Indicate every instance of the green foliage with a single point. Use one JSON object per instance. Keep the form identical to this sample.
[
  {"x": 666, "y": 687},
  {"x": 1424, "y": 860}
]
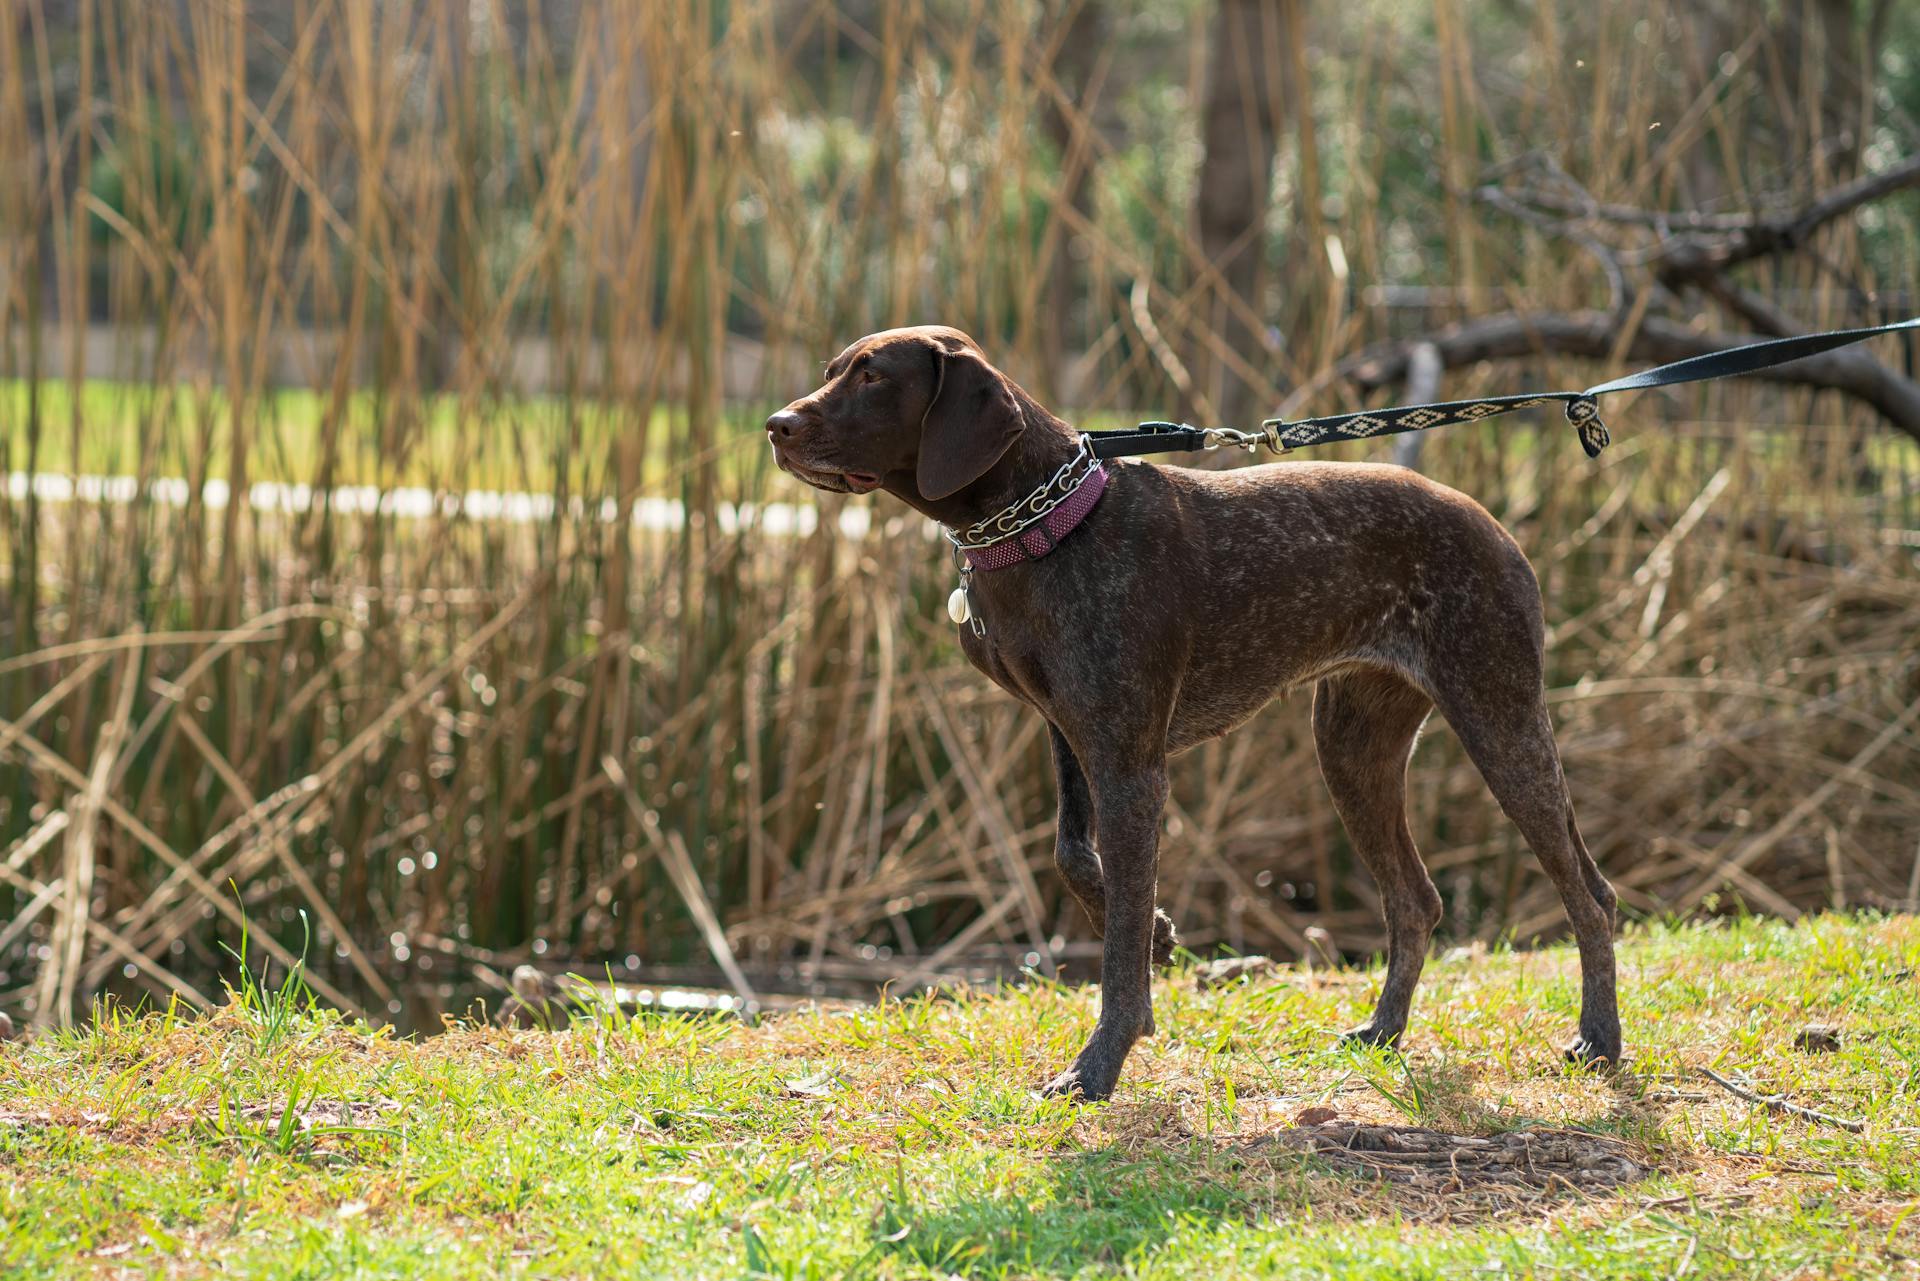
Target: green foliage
[
  {"x": 274, "y": 1008},
  {"x": 151, "y": 182}
]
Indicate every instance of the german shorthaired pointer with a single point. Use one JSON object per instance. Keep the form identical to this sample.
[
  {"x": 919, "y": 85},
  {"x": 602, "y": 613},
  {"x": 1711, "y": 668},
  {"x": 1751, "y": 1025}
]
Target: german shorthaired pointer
[{"x": 1143, "y": 609}]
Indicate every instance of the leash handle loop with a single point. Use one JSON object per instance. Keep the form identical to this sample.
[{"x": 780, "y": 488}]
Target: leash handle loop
[{"x": 1583, "y": 411}]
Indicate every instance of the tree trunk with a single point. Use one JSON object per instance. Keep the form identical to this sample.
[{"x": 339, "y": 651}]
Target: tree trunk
[
  {"x": 1240, "y": 125},
  {"x": 1824, "y": 70},
  {"x": 1073, "y": 67}
]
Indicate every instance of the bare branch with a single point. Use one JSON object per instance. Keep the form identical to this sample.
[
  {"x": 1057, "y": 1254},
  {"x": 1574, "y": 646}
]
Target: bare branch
[
  {"x": 1593, "y": 334},
  {"x": 1750, "y": 235}
]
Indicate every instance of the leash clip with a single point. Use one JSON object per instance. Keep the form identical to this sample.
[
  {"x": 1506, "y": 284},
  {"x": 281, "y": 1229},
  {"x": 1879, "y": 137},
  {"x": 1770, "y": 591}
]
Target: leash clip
[
  {"x": 1251, "y": 441},
  {"x": 1270, "y": 436}
]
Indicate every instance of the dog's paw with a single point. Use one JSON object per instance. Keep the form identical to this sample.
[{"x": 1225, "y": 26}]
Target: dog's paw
[
  {"x": 1065, "y": 1086},
  {"x": 1601, "y": 1053},
  {"x": 1372, "y": 1033},
  {"x": 1164, "y": 939},
  {"x": 1077, "y": 1088}
]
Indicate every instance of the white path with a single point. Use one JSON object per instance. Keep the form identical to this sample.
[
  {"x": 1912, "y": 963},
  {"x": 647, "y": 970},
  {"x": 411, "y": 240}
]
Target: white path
[{"x": 412, "y": 503}]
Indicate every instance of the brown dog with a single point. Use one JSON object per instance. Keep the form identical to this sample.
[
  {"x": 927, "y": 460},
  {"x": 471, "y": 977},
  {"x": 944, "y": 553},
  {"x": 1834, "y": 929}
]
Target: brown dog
[{"x": 1176, "y": 605}]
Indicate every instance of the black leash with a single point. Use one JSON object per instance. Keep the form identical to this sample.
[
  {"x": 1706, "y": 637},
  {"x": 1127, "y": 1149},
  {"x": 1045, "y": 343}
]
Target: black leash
[{"x": 1582, "y": 410}]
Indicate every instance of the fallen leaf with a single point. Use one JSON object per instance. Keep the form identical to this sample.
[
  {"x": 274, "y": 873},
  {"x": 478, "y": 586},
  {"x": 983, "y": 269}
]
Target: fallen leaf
[
  {"x": 814, "y": 1087},
  {"x": 1231, "y": 969}
]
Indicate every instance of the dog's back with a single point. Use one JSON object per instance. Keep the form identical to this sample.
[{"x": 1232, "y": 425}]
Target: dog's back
[{"x": 1270, "y": 577}]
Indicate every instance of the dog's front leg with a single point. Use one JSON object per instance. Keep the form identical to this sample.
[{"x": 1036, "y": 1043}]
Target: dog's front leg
[{"x": 1128, "y": 803}]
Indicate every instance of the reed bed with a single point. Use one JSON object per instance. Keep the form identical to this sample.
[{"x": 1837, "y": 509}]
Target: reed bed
[{"x": 580, "y": 250}]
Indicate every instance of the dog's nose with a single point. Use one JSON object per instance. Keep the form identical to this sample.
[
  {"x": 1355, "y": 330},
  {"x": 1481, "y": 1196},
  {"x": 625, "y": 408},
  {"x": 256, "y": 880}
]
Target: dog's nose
[{"x": 785, "y": 425}]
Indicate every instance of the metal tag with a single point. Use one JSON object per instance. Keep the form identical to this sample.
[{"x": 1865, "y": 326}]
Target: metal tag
[{"x": 958, "y": 608}]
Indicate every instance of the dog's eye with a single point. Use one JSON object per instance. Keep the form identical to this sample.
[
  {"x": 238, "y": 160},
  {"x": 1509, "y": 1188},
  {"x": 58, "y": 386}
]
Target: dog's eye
[{"x": 870, "y": 375}]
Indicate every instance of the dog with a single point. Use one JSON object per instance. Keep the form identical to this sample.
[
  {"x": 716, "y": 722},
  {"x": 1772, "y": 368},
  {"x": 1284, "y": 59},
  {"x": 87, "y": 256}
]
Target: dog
[{"x": 1173, "y": 604}]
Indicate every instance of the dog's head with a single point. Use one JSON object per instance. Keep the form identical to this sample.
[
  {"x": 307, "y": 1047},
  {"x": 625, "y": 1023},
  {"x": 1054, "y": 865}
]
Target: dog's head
[{"x": 919, "y": 411}]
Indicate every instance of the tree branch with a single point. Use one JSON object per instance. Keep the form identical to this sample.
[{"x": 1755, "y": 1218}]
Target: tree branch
[
  {"x": 1767, "y": 236},
  {"x": 1744, "y": 236},
  {"x": 1593, "y": 334}
]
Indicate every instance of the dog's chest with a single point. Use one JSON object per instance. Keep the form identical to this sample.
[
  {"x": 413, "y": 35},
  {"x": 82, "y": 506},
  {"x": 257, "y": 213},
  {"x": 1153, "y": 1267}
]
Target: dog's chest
[{"x": 1003, "y": 665}]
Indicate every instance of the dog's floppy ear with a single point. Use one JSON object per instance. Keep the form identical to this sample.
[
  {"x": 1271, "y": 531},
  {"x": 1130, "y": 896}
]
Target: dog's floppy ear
[{"x": 971, "y": 421}]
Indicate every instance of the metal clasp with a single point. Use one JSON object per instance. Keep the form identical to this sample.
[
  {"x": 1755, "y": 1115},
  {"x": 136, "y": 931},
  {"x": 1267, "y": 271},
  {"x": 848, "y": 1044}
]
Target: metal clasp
[
  {"x": 960, "y": 601},
  {"x": 1270, "y": 436},
  {"x": 1251, "y": 441}
]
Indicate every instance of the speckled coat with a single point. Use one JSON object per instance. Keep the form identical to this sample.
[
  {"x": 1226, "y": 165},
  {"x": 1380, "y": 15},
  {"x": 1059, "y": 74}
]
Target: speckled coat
[{"x": 1182, "y": 604}]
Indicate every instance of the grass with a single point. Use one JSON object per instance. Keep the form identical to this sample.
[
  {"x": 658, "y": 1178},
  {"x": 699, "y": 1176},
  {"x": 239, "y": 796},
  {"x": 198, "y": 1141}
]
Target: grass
[
  {"x": 519, "y": 444},
  {"x": 905, "y": 1139},
  {"x": 525, "y": 443}
]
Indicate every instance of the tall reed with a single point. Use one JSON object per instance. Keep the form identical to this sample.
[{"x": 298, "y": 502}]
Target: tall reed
[{"x": 578, "y": 251}]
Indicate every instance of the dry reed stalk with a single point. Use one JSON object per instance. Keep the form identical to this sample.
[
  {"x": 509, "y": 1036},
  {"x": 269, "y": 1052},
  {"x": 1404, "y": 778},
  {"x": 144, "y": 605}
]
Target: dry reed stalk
[
  {"x": 492, "y": 253},
  {"x": 57, "y": 980}
]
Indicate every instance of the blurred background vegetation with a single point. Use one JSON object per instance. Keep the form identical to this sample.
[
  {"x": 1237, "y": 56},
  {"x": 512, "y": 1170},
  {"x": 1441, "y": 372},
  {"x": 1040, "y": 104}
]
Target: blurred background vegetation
[{"x": 387, "y": 536}]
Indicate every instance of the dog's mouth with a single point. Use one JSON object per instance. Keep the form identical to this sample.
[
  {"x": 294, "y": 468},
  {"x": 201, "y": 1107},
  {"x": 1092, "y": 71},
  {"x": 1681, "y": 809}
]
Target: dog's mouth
[{"x": 834, "y": 482}]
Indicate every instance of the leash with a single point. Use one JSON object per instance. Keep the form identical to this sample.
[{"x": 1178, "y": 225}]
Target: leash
[
  {"x": 1032, "y": 527},
  {"x": 1582, "y": 407}
]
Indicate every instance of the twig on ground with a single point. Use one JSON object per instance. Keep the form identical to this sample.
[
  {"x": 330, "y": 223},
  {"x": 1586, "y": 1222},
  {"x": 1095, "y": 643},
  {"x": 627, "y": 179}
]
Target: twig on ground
[{"x": 1775, "y": 1103}]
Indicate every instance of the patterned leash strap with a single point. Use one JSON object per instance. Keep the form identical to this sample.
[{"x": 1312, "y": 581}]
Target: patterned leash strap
[{"x": 1582, "y": 407}]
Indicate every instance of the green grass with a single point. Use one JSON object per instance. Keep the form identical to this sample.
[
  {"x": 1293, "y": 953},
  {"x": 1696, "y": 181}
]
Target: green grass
[
  {"x": 524, "y": 443},
  {"x": 519, "y": 444},
  {"x": 905, "y": 1140},
  {"x": 528, "y": 443}
]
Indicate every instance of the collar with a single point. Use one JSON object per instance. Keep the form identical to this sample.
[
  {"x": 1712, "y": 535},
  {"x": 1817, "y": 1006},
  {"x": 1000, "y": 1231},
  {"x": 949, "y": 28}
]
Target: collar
[{"x": 1029, "y": 529}]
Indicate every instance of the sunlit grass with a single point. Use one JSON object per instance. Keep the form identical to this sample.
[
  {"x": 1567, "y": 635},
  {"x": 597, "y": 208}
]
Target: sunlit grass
[
  {"x": 398, "y": 723},
  {"x": 524, "y": 444},
  {"x": 131, "y": 429},
  {"x": 905, "y": 1139},
  {"x": 528, "y": 442}
]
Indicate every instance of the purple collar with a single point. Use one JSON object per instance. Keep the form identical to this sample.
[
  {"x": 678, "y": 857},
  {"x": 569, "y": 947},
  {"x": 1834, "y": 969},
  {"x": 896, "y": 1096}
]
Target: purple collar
[{"x": 1038, "y": 523}]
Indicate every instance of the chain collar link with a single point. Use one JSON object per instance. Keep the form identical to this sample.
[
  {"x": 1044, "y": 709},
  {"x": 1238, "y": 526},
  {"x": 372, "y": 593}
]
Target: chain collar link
[{"x": 1016, "y": 518}]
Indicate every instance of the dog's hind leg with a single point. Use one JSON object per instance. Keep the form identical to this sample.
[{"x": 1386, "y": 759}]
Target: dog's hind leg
[
  {"x": 1364, "y": 724},
  {"x": 1073, "y": 849},
  {"x": 1073, "y": 833},
  {"x": 1499, "y": 712}
]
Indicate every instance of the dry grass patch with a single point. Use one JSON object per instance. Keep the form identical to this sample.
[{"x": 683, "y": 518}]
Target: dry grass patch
[{"x": 906, "y": 1139}]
